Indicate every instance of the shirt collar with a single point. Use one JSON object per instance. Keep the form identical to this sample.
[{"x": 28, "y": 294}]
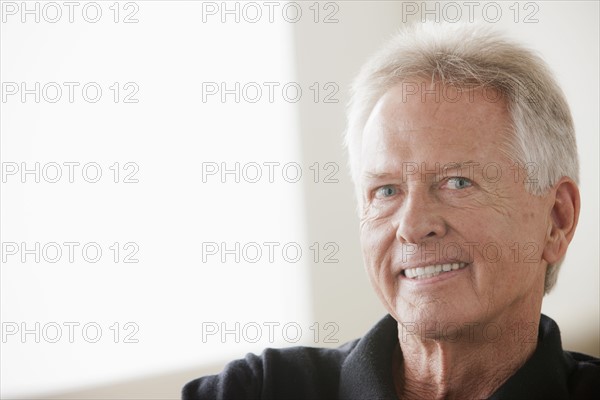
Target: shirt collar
[
  {"x": 544, "y": 374},
  {"x": 367, "y": 371}
]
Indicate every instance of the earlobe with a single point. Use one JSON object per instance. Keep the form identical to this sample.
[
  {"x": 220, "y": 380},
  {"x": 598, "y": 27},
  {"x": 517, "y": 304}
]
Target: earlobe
[{"x": 564, "y": 215}]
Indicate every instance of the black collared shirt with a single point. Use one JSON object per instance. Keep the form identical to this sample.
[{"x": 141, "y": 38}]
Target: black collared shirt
[{"x": 362, "y": 370}]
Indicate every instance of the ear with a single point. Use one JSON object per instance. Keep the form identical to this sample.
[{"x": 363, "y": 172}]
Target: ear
[{"x": 564, "y": 215}]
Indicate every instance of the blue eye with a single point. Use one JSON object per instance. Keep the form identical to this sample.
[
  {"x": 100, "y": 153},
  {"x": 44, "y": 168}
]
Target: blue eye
[
  {"x": 385, "y": 191},
  {"x": 458, "y": 182}
]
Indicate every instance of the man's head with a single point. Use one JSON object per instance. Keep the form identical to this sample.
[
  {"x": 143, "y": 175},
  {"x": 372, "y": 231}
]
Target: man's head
[{"x": 507, "y": 100}]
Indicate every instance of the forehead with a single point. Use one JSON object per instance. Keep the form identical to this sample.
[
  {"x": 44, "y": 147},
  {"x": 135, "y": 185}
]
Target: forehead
[{"x": 419, "y": 117}]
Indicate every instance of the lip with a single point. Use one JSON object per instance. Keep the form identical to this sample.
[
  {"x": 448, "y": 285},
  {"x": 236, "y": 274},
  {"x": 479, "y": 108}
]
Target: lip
[
  {"x": 434, "y": 279},
  {"x": 436, "y": 262}
]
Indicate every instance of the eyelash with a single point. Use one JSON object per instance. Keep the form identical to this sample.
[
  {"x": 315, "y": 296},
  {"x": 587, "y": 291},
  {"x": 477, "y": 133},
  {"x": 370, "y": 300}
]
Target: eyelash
[
  {"x": 379, "y": 189},
  {"x": 470, "y": 183},
  {"x": 379, "y": 195}
]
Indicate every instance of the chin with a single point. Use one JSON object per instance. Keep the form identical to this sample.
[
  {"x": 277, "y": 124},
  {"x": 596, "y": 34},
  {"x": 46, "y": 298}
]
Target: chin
[{"x": 433, "y": 321}]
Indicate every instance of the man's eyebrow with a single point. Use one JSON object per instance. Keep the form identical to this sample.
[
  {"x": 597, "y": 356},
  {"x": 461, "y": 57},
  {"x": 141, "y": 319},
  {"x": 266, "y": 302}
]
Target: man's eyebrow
[
  {"x": 422, "y": 167},
  {"x": 458, "y": 165},
  {"x": 376, "y": 175}
]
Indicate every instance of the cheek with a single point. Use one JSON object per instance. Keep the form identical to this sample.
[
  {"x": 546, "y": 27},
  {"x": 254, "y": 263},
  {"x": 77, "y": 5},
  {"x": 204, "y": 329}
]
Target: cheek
[
  {"x": 377, "y": 241},
  {"x": 509, "y": 259},
  {"x": 376, "y": 237},
  {"x": 520, "y": 240}
]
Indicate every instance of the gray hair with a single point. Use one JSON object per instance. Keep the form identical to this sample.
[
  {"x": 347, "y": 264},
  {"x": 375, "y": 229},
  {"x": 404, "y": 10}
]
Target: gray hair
[{"x": 469, "y": 56}]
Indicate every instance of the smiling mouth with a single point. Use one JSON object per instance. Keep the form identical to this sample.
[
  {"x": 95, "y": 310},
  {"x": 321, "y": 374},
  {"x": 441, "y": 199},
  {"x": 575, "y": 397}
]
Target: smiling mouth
[{"x": 432, "y": 270}]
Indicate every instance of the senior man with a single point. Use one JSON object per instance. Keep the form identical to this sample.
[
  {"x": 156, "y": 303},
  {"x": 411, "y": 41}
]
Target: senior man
[{"x": 462, "y": 150}]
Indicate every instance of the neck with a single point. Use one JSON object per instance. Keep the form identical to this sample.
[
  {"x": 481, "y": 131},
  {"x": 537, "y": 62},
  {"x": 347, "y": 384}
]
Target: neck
[{"x": 471, "y": 363}]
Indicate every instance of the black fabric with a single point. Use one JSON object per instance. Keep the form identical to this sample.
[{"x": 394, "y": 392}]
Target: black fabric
[{"x": 361, "y": 369}]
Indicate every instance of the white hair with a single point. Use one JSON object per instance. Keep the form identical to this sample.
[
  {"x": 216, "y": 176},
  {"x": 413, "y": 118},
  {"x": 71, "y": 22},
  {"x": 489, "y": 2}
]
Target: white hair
[{"x": 468, "y": 56}]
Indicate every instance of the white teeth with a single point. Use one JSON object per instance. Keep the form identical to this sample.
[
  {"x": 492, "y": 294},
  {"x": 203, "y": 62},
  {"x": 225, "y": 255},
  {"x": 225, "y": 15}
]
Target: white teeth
[{"x": 432, "y": 270}]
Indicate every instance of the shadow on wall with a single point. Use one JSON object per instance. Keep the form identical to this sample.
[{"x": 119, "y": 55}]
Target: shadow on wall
[{"x": 156, "y": 387}]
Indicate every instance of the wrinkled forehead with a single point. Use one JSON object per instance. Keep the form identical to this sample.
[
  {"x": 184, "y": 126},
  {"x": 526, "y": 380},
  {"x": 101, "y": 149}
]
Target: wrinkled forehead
[
  {"x": 435, "y": 100},
  {"x": 420, "y": 119}
]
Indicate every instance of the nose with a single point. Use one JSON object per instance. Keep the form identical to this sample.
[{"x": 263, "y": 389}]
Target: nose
[{"x": 419, "y": 219}]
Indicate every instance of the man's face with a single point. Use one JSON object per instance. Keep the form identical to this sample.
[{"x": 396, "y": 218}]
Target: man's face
[{"x": 438, "y": 193}]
